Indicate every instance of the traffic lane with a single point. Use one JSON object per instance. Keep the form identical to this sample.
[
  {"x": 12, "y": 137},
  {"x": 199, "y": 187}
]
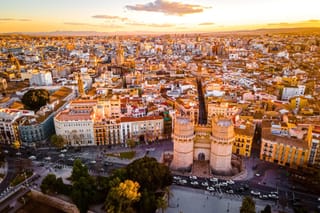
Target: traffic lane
[{"x": 11, "y": 173}]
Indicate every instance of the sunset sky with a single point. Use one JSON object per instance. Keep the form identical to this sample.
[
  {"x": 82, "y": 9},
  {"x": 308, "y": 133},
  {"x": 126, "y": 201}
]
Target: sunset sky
[{"x": 155, "y": 15}]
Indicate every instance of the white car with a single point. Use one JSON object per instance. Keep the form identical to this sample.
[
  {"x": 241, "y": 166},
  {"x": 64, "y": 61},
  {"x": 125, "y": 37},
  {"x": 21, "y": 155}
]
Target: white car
[
  {"x": 193, "y": 177},
  {"x": 32, "y": 157},
  {"x": 214, "y": 179},
  {"x": 47, "y": 158},
  {"x": 204, "y": 184},
  {"x": 182, "y": 181},
  {"x": 258, "y": 175},
  {"x": 194, "y": 183},
  {"x": 224, "y": 184},
  {"x": 63, "y": 151},
  {"x": 255, "y": 193},
  {"x": 210, "y": 188},
  {"x": 176, "y": 177},
  {"x": 230, "y": 182}
]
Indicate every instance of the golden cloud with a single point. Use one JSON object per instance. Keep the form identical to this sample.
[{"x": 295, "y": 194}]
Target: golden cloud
[
  {"x": 14, "y": 19},
  {"x": 206, "y": 23},
  {"x": 108, "y": 17},
  {"x": 168, "y": 8},
  {"x": 150, "y": 25},
  {"x": 93, "y": 25},
  {"x": 313, "y": 21}
]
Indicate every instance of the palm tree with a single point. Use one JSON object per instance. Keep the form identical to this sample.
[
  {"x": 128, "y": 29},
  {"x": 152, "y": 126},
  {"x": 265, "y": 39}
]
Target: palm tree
[
  {"x": 162, "y": 204},
  {"x": 248, "y": 205},
  {"x": 168, "y": 193}
]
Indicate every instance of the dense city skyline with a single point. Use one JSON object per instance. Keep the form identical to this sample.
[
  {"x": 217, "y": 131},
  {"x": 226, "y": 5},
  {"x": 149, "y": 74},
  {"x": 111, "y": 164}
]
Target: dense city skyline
[{"x": 155, "y": 15}]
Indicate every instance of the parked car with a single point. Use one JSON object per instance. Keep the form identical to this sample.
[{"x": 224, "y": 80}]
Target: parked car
[
  {"x": 256, "y": 193},
  {"x": 213, "y": 179},
  {"x": 194, "y": 183},
  {"x": 204, "y": 183},
  {"x": 210, "y": 188}
]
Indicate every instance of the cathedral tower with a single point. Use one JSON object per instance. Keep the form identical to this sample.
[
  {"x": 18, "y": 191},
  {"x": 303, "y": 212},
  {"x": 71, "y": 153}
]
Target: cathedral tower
[{"x": 80, "y": 86}]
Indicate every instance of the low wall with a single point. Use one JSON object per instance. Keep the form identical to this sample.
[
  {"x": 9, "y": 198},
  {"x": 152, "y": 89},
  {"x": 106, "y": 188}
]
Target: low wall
[{"x": 53, "y": 202}]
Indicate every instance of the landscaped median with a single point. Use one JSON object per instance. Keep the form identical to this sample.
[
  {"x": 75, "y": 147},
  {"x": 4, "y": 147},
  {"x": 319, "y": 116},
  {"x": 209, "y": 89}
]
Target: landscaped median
[
  {"x": 123, "y": 155},
  {"x": 21, "y": 177}
]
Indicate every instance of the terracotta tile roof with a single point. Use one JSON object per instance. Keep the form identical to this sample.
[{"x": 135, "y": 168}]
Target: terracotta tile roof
[
  {"x": 145, "y": 118},
  {"x": 298, "y": 143},
  {"x": 75, "y": 115}
]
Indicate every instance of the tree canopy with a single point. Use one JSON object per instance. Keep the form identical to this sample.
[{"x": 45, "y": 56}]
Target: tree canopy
[
  {"x": 149, "y": 173},
  {"x": 34, "y": 99},
  {"x": 48, "y": 184},
  {"x": 121, "y": 197},
  {"x": 79, "y": 170},
  {"x": 152, "y": 176},
  {"x": 57, "y": 141}
]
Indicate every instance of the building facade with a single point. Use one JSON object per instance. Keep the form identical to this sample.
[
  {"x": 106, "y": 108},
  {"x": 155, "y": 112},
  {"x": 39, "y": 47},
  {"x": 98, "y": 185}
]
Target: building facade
[
  {"x": 75, "y": 124},
  {"x": 243, "y": 140},
  {"x": 9, "y": 130},
  {"x": 33, "y": 132},
  {"x": 41, "y": 78}
]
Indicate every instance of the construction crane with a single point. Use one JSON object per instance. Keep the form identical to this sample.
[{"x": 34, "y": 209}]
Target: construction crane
[{"x": 14, "y": 61}]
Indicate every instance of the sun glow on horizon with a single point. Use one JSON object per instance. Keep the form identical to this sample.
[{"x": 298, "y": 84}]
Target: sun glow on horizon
[{"x": 156, "y": 15}]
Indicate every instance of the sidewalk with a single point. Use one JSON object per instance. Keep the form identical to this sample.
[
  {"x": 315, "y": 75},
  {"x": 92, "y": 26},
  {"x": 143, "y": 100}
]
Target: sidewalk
[
  {"x": 188, "y": 200},
  {"x": 3, "y": 170}
]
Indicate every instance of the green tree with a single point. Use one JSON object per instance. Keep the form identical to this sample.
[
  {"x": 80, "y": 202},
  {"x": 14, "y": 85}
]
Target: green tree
[
  {"x": 83, "y": 193},
  {"x": 266, "y": 209},
  {"x": 248, "y": 205},
  {"x": 161, "y": 203},
  {"x": 57, "y": 141},
  {"x": 153, "y": 177},
  {"x": 48, "y": 184},
  {"x": 131, "y": 143},
  {"x": 149, "y": 173},
  {"x": 79, "y": 170},
  {"x": 34, "y": 99},
  {"x": 62, "y": 188},
  {"x": 147, "y": 202}
]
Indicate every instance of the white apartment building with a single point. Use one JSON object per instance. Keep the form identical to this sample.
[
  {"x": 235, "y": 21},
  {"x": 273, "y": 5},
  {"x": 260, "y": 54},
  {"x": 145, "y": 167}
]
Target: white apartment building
[
  {"x": 41, "y": 78},
  {"x": 289, "y": 92},
  {"x": 146, "y": 128},
  {"x": 75, "y": 125}
]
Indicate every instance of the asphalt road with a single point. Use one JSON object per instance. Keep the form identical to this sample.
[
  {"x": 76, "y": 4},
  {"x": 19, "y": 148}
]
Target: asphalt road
[
  {"x": 104, "y": 166},
  {"x": 11, "y": 172}
]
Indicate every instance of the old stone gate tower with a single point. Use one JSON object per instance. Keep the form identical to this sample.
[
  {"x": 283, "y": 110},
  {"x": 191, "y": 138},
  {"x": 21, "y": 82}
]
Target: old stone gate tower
[{"x": 210, "y": 143}]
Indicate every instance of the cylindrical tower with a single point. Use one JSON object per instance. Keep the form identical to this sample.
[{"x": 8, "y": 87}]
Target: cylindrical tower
[
  {"x": 183, "y": 134},
  {"x": 221, "y": 145}
]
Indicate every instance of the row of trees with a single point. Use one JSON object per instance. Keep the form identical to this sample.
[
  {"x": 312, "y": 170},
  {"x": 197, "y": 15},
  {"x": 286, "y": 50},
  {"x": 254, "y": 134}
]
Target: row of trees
[{"x": 139, "y": 187}]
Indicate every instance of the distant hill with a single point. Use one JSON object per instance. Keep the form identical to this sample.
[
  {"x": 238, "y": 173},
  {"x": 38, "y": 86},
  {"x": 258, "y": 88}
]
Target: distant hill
[{"x": 95, "y": 33}]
